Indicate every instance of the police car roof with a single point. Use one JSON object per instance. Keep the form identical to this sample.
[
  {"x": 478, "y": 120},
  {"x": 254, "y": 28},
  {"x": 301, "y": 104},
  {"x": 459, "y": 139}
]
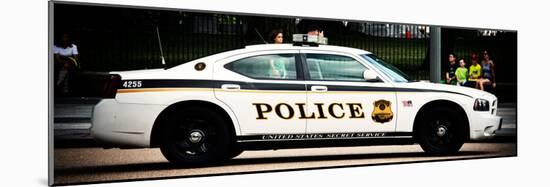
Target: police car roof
[
  {"x": 267, "y": 47},
  {"x": 320, "y": 47}
]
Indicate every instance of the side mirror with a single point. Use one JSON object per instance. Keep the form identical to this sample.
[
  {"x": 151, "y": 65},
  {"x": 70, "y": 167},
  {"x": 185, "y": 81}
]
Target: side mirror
[{"x": 371, "y": 76}]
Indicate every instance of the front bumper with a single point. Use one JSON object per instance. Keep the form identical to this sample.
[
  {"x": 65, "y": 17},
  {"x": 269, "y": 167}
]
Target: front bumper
[{"x": 484, "y": 126}]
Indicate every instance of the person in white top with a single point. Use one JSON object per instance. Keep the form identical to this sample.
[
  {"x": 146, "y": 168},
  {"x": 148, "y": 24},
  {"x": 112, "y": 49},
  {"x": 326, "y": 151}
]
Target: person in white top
[{"x": 66, "y": 61}]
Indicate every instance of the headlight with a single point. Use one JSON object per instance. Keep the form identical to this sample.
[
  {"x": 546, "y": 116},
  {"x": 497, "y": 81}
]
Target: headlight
[{"x": 481, "y": 105}]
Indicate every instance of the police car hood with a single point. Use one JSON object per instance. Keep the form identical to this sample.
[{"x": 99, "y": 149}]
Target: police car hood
[{"x": 475, "y": 93}]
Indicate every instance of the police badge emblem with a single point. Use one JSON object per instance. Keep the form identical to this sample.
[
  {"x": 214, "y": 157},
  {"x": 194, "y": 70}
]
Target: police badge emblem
[{"x": 382, "y": 111}]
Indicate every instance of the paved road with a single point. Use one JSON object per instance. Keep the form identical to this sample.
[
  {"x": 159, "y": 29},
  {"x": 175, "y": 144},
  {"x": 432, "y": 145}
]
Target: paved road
[{"x": 84, "y": 165}]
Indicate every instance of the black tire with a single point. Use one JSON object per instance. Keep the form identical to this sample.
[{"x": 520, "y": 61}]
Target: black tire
[
  {"x": 179, "y": 148},
  {"x": 442, "y": 131}
]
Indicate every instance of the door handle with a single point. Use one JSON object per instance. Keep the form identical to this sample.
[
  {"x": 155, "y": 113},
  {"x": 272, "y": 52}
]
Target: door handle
[
  {"x": 231, "y": 87},
  {"x": 319, "y": 88}
]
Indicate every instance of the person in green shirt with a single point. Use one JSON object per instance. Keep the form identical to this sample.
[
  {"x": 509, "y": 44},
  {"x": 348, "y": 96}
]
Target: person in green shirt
[{"x": 461, "y": 73}]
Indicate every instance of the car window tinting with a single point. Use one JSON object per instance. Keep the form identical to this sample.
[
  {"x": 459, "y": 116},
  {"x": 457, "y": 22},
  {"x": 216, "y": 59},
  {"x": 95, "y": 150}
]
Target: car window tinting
[
  {"x": 273, "y": 66},
  {"x": 334, "y": 67}
]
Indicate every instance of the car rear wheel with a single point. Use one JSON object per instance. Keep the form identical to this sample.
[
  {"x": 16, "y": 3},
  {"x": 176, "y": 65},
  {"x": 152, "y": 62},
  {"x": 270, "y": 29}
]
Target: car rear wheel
[
  {"x": 195, "y": 137},
  {"x": 442, "y": 131}
]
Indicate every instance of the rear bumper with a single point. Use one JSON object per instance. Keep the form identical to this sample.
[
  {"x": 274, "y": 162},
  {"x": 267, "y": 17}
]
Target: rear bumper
[
  {"x": 123, "y": 125},
  {"x": 484, "y": 126}
]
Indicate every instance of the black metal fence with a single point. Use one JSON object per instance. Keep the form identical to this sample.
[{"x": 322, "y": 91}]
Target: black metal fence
[{"x": 125, "y": 38}]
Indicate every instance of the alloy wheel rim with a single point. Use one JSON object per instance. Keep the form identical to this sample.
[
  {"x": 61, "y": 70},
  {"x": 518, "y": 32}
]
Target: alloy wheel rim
[{"x": 194, "y": 136}]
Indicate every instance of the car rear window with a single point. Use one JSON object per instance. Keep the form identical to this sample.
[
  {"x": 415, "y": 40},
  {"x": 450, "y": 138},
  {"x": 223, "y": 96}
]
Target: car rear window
[{"x": 272, "y": 66}]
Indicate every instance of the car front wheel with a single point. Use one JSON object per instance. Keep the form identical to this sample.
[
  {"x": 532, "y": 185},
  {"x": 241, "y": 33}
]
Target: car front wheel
[{"x": 442, "y": 131}]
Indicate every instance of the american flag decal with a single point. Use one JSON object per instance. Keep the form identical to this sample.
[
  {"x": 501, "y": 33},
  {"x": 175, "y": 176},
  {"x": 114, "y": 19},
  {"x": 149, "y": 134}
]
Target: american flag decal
[{"x": 407, "y": 103}]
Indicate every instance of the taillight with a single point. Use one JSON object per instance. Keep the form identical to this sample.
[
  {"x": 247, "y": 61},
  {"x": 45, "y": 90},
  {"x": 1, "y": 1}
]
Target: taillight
[{"x": 111, "y": 86}]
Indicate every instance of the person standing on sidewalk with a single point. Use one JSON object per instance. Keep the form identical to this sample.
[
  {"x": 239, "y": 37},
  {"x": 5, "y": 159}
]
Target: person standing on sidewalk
[
  {"x": 276, "y": 36},
  {"x": 314, "y": 30},
  {"x": 278, "y": 69}
]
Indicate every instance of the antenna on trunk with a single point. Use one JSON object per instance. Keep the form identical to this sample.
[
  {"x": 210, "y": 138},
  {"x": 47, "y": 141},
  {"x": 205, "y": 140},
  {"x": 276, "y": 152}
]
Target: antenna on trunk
[
  {"x": 160, "y": 46},
  {"x": 260, "y": 35}
]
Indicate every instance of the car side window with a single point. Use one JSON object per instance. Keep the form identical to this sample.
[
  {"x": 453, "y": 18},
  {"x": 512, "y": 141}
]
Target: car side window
[
  {"x": 334, "y": 67},
  {"x": 272, "y": 66}
]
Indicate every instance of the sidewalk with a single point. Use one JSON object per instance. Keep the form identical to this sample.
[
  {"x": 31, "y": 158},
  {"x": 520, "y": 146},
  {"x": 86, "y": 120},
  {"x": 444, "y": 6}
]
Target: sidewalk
[{"x": 72, "y": 120}]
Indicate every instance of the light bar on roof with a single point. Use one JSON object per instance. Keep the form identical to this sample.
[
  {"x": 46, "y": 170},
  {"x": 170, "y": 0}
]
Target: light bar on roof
[{"x": 309, "y": 39}]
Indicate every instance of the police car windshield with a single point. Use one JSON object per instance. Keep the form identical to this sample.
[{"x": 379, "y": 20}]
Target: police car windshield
[{"x": 389, "y": 70}]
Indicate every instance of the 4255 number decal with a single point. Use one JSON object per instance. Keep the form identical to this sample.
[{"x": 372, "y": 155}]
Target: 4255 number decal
[{"x": 132, "y": 84}]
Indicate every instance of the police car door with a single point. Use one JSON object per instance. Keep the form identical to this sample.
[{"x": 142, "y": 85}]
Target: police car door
[
  {"x": 262, "y": 90},
  {"x": 341, "y": 100}
]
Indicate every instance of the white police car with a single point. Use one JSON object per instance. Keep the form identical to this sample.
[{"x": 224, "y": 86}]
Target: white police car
[{"x": 276, "y": 96}]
